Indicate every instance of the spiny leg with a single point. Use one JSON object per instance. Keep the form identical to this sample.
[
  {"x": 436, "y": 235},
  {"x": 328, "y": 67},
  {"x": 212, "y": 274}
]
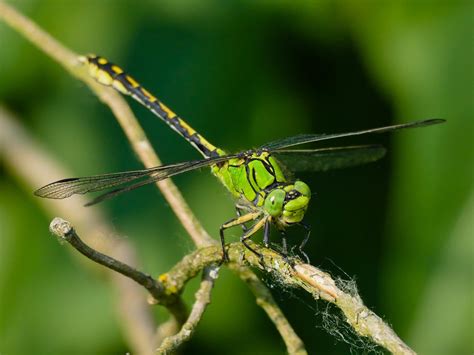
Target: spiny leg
[
  {"x": 251, "y": 232},
  {"x": 239, "y": 214},
  {"x": 284, "y": 244},
  {"x": 284, "y": 251},
  {"x": 266, "y": 233},
  {"x": 305, "y": 240},
  {"x": 231, "y": 223}
]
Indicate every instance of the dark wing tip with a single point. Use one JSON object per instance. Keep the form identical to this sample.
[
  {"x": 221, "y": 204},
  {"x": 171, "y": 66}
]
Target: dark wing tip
[{"x": 431, "y": 121}]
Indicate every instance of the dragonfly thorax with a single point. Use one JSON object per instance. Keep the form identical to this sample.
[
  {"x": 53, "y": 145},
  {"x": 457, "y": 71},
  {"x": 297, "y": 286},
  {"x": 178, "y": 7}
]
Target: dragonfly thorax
[{"x": 287, "y": 204}]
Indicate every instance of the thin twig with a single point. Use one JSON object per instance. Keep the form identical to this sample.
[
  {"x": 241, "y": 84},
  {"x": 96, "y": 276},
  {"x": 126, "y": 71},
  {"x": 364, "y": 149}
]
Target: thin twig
[
  {"x": 165, "y": 330},
  {"x": 65, "y": 231},
  {"x": 265, "y": 300},
  {"x": 203, "y": 298},
  {"x": 140, "y": 144}
]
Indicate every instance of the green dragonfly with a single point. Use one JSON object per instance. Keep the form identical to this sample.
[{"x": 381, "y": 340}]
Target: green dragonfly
[{"x": 259, "y": 179}]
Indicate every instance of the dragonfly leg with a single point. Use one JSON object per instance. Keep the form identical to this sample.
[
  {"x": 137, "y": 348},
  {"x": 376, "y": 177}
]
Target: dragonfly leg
[
  {"x": 305, "y": 240},
  {"x": 239, "y": 214},
  {"x": 225, "y": 257},
  {"x": 284, "y": 252},
  {"x": 266, "y": 233},
  {"x": 231, "y": 223},
  {"x": 251, "y": 232}
]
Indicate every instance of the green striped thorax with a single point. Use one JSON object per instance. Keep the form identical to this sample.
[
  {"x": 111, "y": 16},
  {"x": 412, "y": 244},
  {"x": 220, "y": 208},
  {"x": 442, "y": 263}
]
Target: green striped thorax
[{"x": 256, "y": 179}]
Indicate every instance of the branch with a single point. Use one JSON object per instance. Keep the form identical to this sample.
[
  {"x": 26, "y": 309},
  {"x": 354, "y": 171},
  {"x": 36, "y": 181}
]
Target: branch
[
  {"x": 145, "y": 152},
  {"x": 203, "y": 298},
  {"x": 318, "y": 283},
  {"x": 160, "y": 293},
  {"x": 307, "y": 277},
  {"x": 265, "y": 300},
  {"x": 66, "y": 232},
  {"x": 365, "y": 322},
  {"x": 168, "y": 287}
]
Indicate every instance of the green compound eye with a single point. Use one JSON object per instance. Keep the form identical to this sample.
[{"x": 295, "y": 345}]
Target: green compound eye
[
  {"x": 302, "y": 188},
  {"x": 298, "y": 203},
  {"x": 274, "y": 202}
]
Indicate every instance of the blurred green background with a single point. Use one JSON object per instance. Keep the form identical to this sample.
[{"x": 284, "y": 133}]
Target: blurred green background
[{"x": 243, "y": 73}]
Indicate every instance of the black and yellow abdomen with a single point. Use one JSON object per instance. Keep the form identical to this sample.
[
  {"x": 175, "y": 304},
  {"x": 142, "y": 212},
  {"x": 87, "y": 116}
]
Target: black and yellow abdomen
[
  {"x": 112, "y": 75},
  {"x": 246, "y": 177}
]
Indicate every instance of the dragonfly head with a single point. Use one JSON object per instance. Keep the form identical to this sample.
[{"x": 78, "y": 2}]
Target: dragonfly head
[{"x": 288, "y": 204}]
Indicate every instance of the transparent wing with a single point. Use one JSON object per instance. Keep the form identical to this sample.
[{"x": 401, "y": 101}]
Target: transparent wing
[
  {"x": 308, "y": 138},
  {"x": 67, "y": 187},
  {"x": 329, "y": 158}
]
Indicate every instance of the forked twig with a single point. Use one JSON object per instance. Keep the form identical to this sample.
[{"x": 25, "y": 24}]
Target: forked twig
[
  {"x": 307, "y": 277},
  {"x": 298, "y": 275},
  {"x": 175, "y": 305},
  {"x": 167, "y": 288}
]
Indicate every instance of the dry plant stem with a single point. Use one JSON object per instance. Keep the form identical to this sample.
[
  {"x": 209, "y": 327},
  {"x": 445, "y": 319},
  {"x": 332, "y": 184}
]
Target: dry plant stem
[
  {"x": 16, "y": 145},
  {"x": 165, "y": 330},
  {"x": 318, "y": 283},
  {"x": 168, "y": 287},
  {"x": 65, "y": 231},
  {"x": 265, "y": 300},
  {"x": 139, "y": 142},
  {"x": 203, "y": 298},
  {"x": 363, "y": 320}
]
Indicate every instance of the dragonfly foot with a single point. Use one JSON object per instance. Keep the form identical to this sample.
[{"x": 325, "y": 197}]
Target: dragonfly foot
[
  {"x": 225, "y": 257},
  {"x": 305, "y": 256},
  {"x": 284, "y": 254},
  {"x": 288, "y": 259},
  {"x": 305, "y": 240},
  {"x": 261, "y": 260},
  {"x": 301, "y": 252}
]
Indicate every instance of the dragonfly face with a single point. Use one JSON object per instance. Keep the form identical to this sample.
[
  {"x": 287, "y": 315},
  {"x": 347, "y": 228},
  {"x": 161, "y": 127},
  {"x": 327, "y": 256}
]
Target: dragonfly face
[{"x": 288, "y": 204}]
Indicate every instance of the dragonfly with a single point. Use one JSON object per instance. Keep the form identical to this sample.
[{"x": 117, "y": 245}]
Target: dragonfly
[{"x": 260, "y": 180}]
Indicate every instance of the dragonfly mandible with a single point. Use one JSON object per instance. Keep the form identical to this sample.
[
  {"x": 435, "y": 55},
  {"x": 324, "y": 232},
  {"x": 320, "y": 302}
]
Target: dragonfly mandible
[{"x": 264, "y": 193}]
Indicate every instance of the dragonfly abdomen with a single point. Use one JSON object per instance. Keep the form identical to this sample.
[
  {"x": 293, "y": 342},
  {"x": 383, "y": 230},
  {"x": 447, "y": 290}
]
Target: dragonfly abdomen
[{"x": 112, "y": 75}]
